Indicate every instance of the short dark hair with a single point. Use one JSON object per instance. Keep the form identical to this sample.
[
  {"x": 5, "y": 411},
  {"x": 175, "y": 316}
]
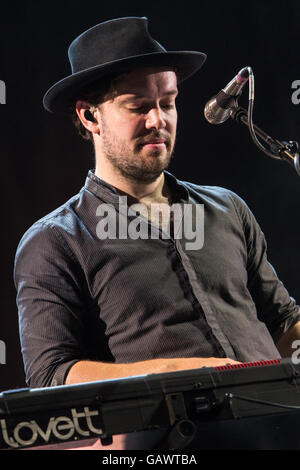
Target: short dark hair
[{"x": 94, "y": 94}]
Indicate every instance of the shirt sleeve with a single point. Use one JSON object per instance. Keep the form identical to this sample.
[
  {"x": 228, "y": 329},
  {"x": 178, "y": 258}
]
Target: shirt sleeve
[
  {"x": 275, "y": 307},
  {"x": 50, "y": 306}
]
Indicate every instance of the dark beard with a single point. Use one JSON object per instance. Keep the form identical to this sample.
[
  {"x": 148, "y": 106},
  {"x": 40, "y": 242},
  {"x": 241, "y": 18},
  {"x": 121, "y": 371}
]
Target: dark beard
[
  {"x": 129, "y": 163},
  {"x": 140, "y": 174},
  {"x": 133, "y": 169}
]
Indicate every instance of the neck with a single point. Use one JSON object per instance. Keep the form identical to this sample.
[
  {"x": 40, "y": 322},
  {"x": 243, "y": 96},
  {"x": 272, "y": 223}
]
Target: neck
[{"x": 156, "y": 191}]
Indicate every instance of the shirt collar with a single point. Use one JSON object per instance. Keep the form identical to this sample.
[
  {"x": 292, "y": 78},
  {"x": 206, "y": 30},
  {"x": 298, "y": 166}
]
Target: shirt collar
[{"x": 110, "y": 194}]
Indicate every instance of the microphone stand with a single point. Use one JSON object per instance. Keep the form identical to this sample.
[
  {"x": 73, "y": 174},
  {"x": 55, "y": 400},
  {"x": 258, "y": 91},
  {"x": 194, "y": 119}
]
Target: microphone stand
[{"x": 287, "y": 151}]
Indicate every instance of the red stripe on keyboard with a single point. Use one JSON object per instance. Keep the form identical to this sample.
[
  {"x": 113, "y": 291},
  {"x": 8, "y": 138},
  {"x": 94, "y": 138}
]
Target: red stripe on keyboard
[{"x": 245, "y": 365}]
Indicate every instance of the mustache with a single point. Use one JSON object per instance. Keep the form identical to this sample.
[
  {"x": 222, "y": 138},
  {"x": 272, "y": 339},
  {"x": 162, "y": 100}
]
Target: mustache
[{"x": 144, "y": 139}]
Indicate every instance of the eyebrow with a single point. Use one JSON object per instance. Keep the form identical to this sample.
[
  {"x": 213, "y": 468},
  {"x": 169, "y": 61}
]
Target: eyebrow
[{"x": 134, "y": 96}]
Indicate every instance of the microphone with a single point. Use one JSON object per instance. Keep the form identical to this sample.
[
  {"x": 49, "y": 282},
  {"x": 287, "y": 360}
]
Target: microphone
[{"x": 219, "y": 108}]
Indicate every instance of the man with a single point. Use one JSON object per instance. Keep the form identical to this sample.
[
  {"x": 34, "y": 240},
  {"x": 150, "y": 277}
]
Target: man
[{"x": 94, "y": 306}]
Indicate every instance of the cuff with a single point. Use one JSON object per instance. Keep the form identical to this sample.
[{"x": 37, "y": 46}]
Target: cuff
[{"x": 61, "y": 373}]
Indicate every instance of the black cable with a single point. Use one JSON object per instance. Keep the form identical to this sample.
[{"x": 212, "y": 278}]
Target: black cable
[
  {"x": 230, "y": 396},
  {"x": 271, "y": 154},
  {"x": 250, "y": 118}
]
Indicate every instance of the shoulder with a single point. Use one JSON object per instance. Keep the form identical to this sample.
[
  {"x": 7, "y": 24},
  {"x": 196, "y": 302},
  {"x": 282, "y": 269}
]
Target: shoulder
[
  {"x": 45, "y": 235},
  {"x": 217, "y": 194},
  {"x": 223, "y": 201}
]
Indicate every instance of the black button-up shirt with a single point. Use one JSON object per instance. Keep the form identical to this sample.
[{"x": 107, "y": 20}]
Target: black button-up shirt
[{"x": 119, "y": 299}]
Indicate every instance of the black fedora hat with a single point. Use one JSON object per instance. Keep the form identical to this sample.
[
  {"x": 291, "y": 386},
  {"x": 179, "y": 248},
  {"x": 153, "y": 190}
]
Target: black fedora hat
[{"x": 111, "y": 47}]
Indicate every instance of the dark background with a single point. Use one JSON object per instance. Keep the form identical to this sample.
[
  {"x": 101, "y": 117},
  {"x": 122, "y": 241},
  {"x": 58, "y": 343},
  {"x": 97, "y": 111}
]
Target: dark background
[{"x": 44, "y": 162}]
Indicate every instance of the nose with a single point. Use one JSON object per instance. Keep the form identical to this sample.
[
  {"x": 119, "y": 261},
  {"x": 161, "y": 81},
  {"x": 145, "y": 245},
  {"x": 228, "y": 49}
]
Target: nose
[{"x": 155, "y": 119}]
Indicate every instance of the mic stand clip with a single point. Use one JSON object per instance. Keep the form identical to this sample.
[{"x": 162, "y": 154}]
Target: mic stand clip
[{"x": 287, "y": 151}]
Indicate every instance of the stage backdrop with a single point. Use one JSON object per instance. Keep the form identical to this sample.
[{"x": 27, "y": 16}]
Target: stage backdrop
[{"x": 44, "y": 162}]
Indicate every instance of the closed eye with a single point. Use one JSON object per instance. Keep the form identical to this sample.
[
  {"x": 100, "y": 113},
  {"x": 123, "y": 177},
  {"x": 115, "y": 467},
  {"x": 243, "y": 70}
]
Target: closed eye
[
  {"x": 139, "y": 109},
  {"x": 168, "y": 106},
  {"x": 146, "y": 108}
]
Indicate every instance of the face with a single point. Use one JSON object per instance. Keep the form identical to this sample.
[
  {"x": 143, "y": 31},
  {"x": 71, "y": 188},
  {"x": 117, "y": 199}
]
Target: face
[{"x": 138, "y": 125}]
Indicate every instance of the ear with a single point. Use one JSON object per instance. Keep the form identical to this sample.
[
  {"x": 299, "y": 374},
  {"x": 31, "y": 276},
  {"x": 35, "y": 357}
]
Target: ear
[{"x": 87, "y": 115}]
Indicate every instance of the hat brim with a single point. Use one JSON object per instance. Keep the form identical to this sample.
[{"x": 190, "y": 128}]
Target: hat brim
[{"x": 60, "y": 97}]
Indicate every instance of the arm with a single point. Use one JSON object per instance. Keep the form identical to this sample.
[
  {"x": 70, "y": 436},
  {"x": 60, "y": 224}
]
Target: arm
[
  {"x": 275, "y": 307},
  {"x": 88, "y": 371},
  {"x": 50, "y": 309}
]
